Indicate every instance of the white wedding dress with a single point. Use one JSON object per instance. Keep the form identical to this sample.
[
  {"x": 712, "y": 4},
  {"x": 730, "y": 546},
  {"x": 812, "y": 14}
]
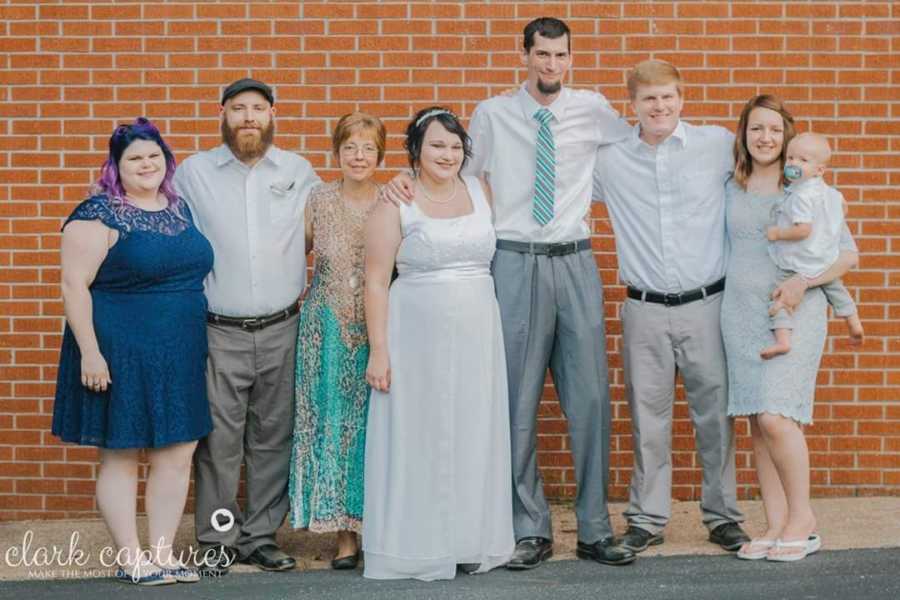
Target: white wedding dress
[{"x": 437, "y": 469}]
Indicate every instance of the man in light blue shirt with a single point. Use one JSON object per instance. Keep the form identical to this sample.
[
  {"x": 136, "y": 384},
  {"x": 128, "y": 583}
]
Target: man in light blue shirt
[
  {"x": 247, "y": 197},
  {"x": 664, "y": 188}
]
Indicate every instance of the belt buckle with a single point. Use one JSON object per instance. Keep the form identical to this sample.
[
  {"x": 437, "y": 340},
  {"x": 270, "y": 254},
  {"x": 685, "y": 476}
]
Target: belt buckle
[
  {"x": 250, "y": 323},
  {"x": 560, "y": 248},
  {"x": 672, "y": 299}
]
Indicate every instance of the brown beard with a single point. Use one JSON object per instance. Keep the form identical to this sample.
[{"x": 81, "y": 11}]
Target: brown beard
[{"x": 247, "y": 148}]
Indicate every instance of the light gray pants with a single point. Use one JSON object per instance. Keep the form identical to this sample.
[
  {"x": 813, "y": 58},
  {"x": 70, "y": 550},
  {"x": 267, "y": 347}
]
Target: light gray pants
[
  {"x": 551, "y": 310},
  {"x": 250, "y": 381},
  {"x": 660, "y": 341}
]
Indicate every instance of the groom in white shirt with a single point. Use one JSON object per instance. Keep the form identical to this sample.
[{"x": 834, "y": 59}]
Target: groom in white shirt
[{"x": 536, "y": 149}]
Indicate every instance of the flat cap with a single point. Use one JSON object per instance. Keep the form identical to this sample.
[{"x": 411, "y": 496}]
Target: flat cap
[{"x": 242, "y": 85}]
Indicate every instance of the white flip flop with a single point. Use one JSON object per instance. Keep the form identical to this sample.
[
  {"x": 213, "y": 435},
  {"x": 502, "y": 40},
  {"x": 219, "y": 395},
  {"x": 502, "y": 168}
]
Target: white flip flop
[
  {"x": 810, "y": 545},
  {"x": 756, "y": 549}
]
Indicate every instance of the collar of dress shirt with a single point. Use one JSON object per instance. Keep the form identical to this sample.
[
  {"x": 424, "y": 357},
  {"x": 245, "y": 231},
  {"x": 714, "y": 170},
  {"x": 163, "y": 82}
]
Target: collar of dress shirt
[
  {"x": 679, "y": 135},
  {"x": 531, "y": 106},
  {"x": 224, "y": 155},
  {"x": 807, "y": 184}
]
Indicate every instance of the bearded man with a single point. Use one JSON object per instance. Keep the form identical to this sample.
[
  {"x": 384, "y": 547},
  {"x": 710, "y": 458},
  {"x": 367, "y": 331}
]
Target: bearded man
[{"x": 247, "y": 197}]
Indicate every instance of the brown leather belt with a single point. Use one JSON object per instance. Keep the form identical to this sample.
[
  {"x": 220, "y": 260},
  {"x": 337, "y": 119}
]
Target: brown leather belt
[
  {"x": 679, "y": 298},
  {"x": 254, "y": 323}
]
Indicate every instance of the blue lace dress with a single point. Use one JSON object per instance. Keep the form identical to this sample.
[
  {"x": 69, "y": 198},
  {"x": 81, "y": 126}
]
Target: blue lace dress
[
  {"x": 149, "y": 316},
  {"x": 786, "y": 384}
]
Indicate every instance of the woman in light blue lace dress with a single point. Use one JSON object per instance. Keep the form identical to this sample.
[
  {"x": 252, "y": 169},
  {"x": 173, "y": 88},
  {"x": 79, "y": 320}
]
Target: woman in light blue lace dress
[{"x": 777, "y": 394}]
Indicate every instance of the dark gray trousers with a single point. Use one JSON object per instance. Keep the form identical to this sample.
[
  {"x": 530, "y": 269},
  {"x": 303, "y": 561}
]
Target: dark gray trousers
[
  {"x": 250, "y": 381},
  {"x": 551, "y": 310}
]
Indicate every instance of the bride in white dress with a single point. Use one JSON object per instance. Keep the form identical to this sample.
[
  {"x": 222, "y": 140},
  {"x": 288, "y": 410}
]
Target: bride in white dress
[{"x": 437, "y": 474}]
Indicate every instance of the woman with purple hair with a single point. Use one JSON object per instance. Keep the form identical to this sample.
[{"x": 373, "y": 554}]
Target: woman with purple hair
[{"x": 131, "y": 368}]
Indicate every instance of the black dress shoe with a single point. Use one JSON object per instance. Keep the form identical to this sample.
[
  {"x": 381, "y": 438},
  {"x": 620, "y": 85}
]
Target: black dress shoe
[
  {"x": 468, "y": 568},
  {"x": 215, "y": 561},
  {"x": 345, "y": 563},
  {"x": 729, "y": 535},
  {"x": 607, "y": 551},
  {"x": 529, "y": 553},
  {"x": 269, "y": 557},
  {"x": 637, "y": 539}
]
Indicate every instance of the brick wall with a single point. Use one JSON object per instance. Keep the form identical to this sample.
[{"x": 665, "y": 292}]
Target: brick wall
[{"x": 72, "y": 70}]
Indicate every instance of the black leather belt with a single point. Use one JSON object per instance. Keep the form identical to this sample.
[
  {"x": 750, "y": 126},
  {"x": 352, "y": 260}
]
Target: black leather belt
[
  {"x": 548, "y": 249},
  {"x": 254, "y": 323},
  {"x": 679, "y": 298}
]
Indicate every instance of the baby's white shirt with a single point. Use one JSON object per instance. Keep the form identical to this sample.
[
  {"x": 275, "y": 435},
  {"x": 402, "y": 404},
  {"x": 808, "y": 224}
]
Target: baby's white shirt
[{"x": 809, "y": 201}]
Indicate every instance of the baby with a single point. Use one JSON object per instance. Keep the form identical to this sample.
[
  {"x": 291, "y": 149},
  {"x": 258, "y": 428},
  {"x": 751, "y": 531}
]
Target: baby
[{"x": 806, "y": 235}]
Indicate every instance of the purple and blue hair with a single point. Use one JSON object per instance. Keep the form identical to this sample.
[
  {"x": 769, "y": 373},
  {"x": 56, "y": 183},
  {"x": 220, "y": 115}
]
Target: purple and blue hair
[{"x": 110, "y": 183}]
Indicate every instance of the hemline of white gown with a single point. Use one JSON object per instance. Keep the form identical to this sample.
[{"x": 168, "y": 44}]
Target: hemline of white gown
[{"x": 385, "y": 566}]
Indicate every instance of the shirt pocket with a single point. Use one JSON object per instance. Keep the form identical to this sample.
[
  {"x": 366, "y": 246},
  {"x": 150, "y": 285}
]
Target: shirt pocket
[{"x": 284, "y": 205}]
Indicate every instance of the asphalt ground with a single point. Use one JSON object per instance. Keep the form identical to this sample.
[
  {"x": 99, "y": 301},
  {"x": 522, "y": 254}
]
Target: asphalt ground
[{"x": 829, "y": 575}]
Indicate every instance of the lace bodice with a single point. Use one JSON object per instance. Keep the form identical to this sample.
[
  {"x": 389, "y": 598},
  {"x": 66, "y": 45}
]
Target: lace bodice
[
  {"x": 436, "y": 248},
  {"x": 126, "y": 218}
]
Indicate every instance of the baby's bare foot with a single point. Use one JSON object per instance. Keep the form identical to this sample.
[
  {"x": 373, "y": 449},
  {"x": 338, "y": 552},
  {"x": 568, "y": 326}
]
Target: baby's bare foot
[
  {"x": 856, "y": 330},
  {"x": 774, "y": 350}
]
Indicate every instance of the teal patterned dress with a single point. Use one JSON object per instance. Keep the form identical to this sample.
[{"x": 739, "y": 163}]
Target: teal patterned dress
[{"x": 331, "y": 399}]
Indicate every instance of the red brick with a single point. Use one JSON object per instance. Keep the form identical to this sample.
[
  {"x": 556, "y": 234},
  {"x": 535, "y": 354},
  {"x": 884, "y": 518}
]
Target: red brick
[{"x": 68, "y": 79}]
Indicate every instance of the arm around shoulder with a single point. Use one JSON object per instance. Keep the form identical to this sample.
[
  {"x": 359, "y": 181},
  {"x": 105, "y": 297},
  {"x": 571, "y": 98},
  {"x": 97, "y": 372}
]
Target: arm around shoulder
[{"x": 486, "y": 188}]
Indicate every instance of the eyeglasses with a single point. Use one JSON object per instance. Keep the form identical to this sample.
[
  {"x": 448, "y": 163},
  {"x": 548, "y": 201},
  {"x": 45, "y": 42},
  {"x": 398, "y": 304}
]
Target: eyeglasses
[{"x": 353, "y": 149}]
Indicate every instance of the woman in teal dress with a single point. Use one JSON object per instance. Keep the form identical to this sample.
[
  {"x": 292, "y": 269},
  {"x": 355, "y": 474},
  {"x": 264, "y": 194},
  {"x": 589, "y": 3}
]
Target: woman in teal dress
[{"x": 331, "y": 399}]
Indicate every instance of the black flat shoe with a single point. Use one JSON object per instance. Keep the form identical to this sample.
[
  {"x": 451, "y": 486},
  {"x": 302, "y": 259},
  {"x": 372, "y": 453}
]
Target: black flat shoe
[
  {"x": 529, "y": 553},
  {"x": 345, "y": 563},
  {"x": 729, "y": 536},
  {"x": 637, "y": 539},
  {"x": 269, "y": 557},
  {"x": 215, "y": 561},
  {"x": 469, "y": 568},
  {"x": 607, "y": 552}
]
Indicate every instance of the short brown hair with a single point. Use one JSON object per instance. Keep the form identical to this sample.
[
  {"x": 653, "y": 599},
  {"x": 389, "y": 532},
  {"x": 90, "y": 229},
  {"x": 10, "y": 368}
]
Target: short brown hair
[
  {"x": 652, "y": 72},
  {"x": 743, "y": 162},
  {"x": 359, "y": 121}
]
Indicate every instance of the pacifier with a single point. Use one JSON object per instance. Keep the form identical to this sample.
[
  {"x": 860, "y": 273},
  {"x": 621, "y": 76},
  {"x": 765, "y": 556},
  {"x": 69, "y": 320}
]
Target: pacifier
[{"x": 792, "y": 172}]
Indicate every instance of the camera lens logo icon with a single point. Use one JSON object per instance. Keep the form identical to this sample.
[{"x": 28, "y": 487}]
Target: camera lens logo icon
[{"x": 222, "y": 520}]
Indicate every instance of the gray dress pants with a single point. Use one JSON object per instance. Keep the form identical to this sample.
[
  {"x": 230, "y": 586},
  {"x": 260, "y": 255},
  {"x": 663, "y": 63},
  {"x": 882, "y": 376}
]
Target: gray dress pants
[
  {"x": 658, "y": 342},
  {"x": 250, "y": 381},
  {"x": 551, "y": 308}
]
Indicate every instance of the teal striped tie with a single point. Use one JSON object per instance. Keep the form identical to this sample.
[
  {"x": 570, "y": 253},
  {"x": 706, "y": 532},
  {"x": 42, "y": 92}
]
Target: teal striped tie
[{"x": 545, "y": 169}]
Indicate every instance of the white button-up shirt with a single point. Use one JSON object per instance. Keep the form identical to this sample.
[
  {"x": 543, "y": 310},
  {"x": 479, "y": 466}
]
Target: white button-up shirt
[
  {"x": 667, "y": 206},
  {"x": 253, "y": 217},
  {"x": 809, "y": 201},
  {"x": 504, "y": 134}
]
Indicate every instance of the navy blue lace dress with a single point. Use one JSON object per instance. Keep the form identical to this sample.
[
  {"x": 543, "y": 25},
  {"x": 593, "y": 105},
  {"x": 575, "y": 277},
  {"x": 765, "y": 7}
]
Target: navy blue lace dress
[{"x": 150, "y": 320}]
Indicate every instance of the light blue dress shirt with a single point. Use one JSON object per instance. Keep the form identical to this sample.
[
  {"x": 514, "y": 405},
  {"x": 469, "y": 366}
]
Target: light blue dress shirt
[{"x": 667, "y": 206}]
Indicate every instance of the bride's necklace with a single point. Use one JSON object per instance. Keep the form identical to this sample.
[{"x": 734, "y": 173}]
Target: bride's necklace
[{"x": 442, "y": 201}]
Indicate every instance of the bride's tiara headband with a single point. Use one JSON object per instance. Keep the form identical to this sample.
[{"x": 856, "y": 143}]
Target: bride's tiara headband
[{"x": 434, "y": 113}]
